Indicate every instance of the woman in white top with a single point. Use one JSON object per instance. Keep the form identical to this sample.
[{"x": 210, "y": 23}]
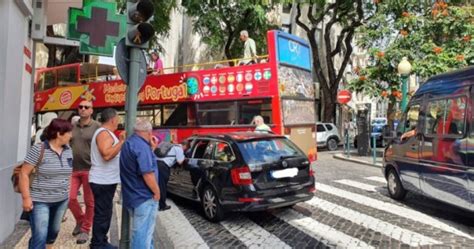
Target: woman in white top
[{"x": 104, "y": 175}]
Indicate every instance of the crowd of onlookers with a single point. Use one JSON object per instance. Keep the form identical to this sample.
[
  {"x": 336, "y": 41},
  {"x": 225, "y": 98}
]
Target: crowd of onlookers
[
  {"x": 84, "y": 152},
  {"x": 95, "y": 155}
]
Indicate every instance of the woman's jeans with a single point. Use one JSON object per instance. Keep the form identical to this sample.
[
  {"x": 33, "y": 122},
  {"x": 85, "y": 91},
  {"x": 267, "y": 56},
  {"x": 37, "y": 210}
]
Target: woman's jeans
[
  {"x": 45, "y": 221},
  {"x": 143, "y": 219}
]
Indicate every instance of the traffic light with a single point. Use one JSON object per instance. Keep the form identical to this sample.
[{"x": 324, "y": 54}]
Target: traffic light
[{"x": 140, "y": 30}]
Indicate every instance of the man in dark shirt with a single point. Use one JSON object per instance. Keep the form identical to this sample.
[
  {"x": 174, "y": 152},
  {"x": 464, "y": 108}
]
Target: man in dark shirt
[
  {"x": 139, "y": 177},
  {"x": 82, "y": 133}
]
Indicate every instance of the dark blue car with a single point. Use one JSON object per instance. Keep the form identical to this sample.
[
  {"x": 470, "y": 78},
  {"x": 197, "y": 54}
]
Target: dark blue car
[{"x": 433, "y": 153}]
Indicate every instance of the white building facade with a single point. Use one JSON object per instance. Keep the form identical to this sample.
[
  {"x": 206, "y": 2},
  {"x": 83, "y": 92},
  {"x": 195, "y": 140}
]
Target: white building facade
[{"x": 16, "y": 55}]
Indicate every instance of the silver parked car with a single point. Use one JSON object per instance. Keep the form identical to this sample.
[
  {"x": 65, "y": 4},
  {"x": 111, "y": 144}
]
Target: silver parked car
[{"x": 327, "y": 136}]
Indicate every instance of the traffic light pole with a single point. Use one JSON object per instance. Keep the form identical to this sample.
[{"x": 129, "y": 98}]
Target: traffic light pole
[{"x": 131, "y": 115}]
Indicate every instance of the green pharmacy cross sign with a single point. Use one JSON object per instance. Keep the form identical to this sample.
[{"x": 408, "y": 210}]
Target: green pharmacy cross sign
[{"x": 97, "y": 27}]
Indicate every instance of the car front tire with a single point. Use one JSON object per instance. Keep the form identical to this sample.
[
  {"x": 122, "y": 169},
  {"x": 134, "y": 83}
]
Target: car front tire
[
  {"x": 212, "y": 208},
  {"x": 394, "y": 185}
]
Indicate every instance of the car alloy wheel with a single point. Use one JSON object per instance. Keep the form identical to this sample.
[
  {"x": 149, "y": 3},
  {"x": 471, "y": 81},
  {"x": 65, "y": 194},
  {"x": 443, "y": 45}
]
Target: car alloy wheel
[
  {"x": 211, "y": 206},
  {"x": 394, "y": 185},
  {"x": 332, "y": 144}
]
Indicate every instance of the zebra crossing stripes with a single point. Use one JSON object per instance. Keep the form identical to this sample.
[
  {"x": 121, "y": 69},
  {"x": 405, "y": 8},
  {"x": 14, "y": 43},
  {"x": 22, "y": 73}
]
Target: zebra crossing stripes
[
  {"x": 251, "y": 234},
  {"x": 393, "y": 209},
  {"x": 376, "y": 179},
  {"x": 321, "y": 231},
  {"x": 396, "y": 232},
  {"x": 363, "y": 186}
]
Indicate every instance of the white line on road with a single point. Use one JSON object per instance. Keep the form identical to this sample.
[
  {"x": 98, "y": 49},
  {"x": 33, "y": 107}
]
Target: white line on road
[
  {"x": 360, "y": 185},
  {"x": 376, "y": 179},
  {"x": 181, "y": 233},
  {"x": 326, "y": 234},
  {"x": 395, "y": 209},
  {"x": 406, "y": 236},
  {"x": 251, "y": 234}
]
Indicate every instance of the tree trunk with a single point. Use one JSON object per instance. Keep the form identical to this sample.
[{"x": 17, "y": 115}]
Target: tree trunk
[
  {"x": 391, "y": 114},
  {"x": 329, "y": 107}
]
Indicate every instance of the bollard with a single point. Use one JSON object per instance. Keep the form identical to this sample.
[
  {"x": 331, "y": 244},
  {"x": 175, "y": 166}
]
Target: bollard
[
  {"x": 348, "y": 146},
  {"x": 374, "y": 148}
]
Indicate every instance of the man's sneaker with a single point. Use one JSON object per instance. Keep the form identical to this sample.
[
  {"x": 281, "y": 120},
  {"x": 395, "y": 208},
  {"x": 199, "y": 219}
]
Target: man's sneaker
[
  {"x": 82, "y": 238},
  {"x": 77, "y": 229}
]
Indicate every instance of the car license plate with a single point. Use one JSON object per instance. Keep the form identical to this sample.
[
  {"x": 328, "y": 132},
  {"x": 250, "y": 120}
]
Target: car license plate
[{"x": 284, "y": 173}]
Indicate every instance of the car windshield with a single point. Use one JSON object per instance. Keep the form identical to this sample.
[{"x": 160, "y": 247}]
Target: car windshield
[{"x": 268, "y": 150}]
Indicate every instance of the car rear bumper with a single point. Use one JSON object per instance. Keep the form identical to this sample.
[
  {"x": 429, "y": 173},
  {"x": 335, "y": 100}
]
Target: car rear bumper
[{"x": 269, "y": 199}]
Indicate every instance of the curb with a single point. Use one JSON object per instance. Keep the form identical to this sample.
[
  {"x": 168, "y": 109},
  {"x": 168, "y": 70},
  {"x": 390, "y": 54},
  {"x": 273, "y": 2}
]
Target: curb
[
  {"x": 341, "y": 157},
  {"x": 161, "y": 237}
]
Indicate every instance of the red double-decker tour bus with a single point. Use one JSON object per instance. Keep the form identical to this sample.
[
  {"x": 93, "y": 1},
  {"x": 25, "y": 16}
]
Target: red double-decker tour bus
[{"x": 279, "y": 87}]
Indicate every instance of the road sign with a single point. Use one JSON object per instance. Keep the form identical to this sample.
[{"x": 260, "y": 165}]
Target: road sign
[
  {"x": 96, "y": 26},
  {"x": 122, "y": 61},
  {"x": 344, "y": 96}
]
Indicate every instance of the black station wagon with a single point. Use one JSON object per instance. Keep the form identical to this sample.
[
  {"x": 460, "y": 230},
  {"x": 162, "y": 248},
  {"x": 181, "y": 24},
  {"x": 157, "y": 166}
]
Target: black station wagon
[{"x": 242, "y": 171}]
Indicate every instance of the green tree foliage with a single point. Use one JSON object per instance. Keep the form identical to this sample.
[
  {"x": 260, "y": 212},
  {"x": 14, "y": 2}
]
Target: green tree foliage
[
  {"x": 436, "y": 38},
  {"x": 339, "y": 20},
  {"x": 161, "y": 19},
  {"x": 219, "y": 22}
]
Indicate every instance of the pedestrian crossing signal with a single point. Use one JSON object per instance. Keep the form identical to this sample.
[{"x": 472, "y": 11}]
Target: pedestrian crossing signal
[{"x": 140, "y": 30}]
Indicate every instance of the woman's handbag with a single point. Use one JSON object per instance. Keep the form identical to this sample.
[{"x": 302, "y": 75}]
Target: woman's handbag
[{"x": 16, "y": 172}]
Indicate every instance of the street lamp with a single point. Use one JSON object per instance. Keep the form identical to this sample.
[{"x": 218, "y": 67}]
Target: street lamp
[{"x": 404, "y": 69}]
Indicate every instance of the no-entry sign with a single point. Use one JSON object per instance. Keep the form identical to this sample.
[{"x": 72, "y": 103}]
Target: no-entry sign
[{"x": 344, "y": 96}]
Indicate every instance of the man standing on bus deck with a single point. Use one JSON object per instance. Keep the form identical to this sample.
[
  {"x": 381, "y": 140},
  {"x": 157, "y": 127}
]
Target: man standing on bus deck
[
  {"x": 82, "y": 133},
  {"x": 250, "y": 49}
]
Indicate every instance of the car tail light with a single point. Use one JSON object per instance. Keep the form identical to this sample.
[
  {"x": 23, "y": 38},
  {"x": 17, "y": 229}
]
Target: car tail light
[
  {"x": 241, "y": 176},
  {"x": 312, "y": 190},
  {"x": 311, "y": 171},
  {"x": 250, "y": 199}
]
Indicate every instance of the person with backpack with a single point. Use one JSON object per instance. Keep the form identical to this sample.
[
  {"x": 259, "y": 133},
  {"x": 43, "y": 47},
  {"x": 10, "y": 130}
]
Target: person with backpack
[
  {"x": 46, "y": 197},
  {"x": 168, "y": 155}
]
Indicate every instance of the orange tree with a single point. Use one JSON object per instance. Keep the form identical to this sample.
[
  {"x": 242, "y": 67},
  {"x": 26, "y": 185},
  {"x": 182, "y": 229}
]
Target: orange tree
[{"x": 436, "y": 38}]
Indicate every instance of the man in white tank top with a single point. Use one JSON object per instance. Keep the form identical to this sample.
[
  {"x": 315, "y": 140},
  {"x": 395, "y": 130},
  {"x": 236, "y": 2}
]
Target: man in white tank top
[{"x": 104, "y": 175}]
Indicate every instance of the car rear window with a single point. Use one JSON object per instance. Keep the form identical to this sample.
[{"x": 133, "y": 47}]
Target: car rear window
[
  {"x": 268, "y": 150},
  {"x": 320, "y": 128}
]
